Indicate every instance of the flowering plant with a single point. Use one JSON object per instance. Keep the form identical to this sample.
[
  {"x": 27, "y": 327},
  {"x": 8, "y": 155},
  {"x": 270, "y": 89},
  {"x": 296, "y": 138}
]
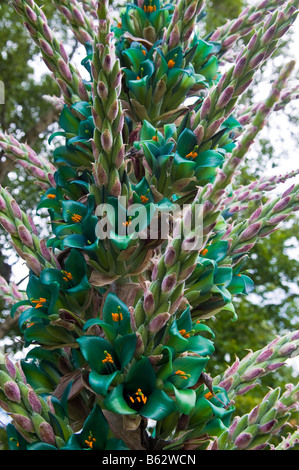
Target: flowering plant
[{"x": 116, "y": 314}]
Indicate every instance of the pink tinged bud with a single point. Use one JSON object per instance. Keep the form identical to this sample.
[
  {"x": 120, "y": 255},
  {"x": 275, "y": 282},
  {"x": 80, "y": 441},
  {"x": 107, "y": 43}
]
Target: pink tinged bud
[
  {"x": 211, "y": 130},
  {"x": 32, "y": 263},
  {"x": 233, "y": 427},
  {"x": 275, "y": 366},
  {"x": 168, "y": 283},
  {"x": 34, "y": 402},
  {"x": 38, "y": 173},
  {"x": 12, "y": 391},
  {"x": 287, "y": 349},
  {"x": 243, "y": 440},
  {"x": 190, "y": 12},
  {"x": 8, "y": 226},
  {"x": 250, "y": 231},
  {"x": 252, "y": 374},
  {"x": 78, "y": 17},
  {"x": 233, "y": 369},
  {"x": 256, "y": 60},
  {"x": 227, "y": 383},
  {"x": 15, "y": 292},
  {"x": 25, "y": 236},
  {"x": 106, "y": 140},
  {"x": 254, "y": 17},
  {"x": 47, "y": 32},
  {"x": 2, "y": 204},
  {"x": 239, "y": 68},
  {"x": 236, "y": 25},
  {"x": 229, "y": 41},
  {"x": 149, "y": 303},
  {"x": 17, "y": 151},
  {"x": 158, "y": 322},
  {"x": 120, "y": 158},
  {"x": 24, "y": 422},
  {"x": 242, "y": 88},
  {"x": 295, "y": 336},
  {"x": 225, "y": 97},
  {"x": 265, "y": 355},
  {"x": 64, "y": 70},
  {"x": 30, "y": 14},
  {"x": 268, "y": 36},
  {"x": 281, "y": 205},
  {"x": 107, "y": 64},
  {"x": 44, "y": 250},
  {"x": 206, "y": 107},
  {"x": 113, "y": 111},
  {"x": 15, "y": 209},
  {"x": 46, "y": 433},
  {"x": 288, "y": 191},
  {"x": 277, "y": 219},
  {"x": 266, "y": 428},
  {"x": 253, "y": 415},
  {"x": 170, "y": 256},
  {"x": 102, "y": 90},
  {"x": 10, "y": 367},
  {"x": 46, "y": 48}
]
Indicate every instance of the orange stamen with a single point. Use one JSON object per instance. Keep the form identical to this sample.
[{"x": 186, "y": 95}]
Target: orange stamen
[
  {"x": 170, "y": 64},
  {"x": 204, "y": 252},
  {"x": 51, "y": 196},
  {"x": 191, "y": 155}
]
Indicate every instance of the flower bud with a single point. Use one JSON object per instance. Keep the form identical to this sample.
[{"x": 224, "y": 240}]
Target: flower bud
[
  {"x": 168, "y": 283},
  {"x": 252, "y": 374},
  {"x": 64, "y": 70},
  {"x": 158, "y": 322},
  {"x": 12, "y": 391},
  {"x": 243, "y": 440},
  {"x": 250, "y": 231},
  {"x": 23, "y": 421},
  {"x": 264, "y": 355},
  {"x": 225, "y": 97},
  {"x": 25, "y": 236},
  {"x": 281, "y": 205},
  {"x": 148, "y": 303},
  {"x": 106, "y": 140}
]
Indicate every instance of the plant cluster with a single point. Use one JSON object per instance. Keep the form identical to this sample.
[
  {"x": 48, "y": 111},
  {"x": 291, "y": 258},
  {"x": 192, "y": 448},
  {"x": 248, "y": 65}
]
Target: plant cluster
[{"x": 119, "y": 328}]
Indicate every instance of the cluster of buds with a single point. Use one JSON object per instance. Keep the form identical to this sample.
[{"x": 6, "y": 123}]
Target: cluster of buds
[
  {"x": 24, "y": 234},
  {"x": 30, "y": 413},
  {"x": 35, "y": 165},
  {"x": 53, "y": 51},
  {"x": 108, "y": 147},
  {"x": 82, "y": 26},
  {"x": 220, "y": 102},
  {"x": 250, "y": 18},
  {"x": 263, "y": 221},
  {"x": 10, "y": 292},
  {"x": 263, "y": 111},
  {"x": 254, "y": 191},
  {"x": 165, "y": 294},
  {"x": 182, "y": 24},
  {"x": 254, "y": 430},
  {"x": 243, "y": 374}
]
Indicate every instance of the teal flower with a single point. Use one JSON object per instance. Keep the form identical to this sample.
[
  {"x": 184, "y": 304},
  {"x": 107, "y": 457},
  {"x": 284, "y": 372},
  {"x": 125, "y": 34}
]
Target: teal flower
[
  {"x": 179, "y": 375},
  {"x": 115, "y": 318},
  {"x": 212, "y": 412},
  {"x": 139, "y": 394},
  {"x": 72, "y": 278},
  {"x": 43, "y": 300},
  {"x": 94, "y": 435},
  {"x": 189, "y": 162},
  {"x": 185, "y": 335},
  {"x": 106, "y": 361}
]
